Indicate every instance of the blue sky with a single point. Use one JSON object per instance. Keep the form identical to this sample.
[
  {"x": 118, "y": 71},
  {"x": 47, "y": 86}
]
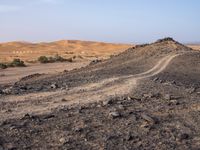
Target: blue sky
[{"x": 120, "y": 21}]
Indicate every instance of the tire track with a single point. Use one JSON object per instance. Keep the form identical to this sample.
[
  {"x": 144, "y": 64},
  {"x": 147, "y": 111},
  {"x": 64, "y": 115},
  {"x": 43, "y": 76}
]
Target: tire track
[{"x": 95, "y": 92}]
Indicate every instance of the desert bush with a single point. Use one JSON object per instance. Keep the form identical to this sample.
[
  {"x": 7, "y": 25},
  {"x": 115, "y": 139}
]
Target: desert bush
[
  {"x": 3, "y": 66},
  {"x": 59, "y": 58},
  {"x": 14, "y": 63},
  {"x": 17, "y": 63},
  {"x": 51, "y": 59},
  {"x": 56, "y": 58},
  {"x": 43, "y": 59},
  {"x": 69, "y": 59}
]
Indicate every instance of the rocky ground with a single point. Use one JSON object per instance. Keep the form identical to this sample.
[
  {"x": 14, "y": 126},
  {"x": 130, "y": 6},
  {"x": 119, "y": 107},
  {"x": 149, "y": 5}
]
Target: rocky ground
[{"x": 145, "y": 98}]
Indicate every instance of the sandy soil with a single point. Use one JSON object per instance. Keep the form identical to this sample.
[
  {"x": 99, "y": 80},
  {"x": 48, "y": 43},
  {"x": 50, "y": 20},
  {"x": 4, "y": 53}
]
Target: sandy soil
[
  {"x": 66, "y": 48},
  {"x": 11, "y": 75},
  {"x": 195, "y": 47}
]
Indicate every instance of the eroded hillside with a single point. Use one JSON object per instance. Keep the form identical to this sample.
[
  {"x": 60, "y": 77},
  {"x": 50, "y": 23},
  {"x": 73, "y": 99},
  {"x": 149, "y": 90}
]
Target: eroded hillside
[{"x": 144, "y": 98}]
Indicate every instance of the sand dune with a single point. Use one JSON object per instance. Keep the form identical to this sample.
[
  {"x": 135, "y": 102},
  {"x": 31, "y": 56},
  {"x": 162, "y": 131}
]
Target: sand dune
[
  {"x": 66, "y": 48},
  {"x": 194, "y": 46}
]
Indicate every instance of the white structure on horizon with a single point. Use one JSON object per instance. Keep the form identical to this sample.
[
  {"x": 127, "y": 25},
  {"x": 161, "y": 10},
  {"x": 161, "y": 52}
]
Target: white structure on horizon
[{"x": 22, "y": 52}]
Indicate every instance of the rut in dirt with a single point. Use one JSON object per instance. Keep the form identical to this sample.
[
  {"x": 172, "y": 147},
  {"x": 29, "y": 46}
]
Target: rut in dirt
[{"x": 44, "y": 102}]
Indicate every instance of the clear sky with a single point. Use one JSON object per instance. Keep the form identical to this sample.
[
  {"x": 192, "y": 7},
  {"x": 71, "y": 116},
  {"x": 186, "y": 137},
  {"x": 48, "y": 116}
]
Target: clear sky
[{"x": 121, "y": 21}]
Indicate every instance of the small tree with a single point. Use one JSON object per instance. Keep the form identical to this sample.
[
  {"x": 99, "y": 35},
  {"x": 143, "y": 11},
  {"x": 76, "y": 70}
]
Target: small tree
[
  {"x": 59, "y": 58},
  {"x": 51, "y": 59},
  {"x": 43, "y": 59},
  {"x": 3, "y": 66},
  {"x": 17, "y": 63}
]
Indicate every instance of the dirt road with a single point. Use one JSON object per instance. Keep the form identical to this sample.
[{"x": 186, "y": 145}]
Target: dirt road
[
  {"x": 145, "y": 98},
  {"x": 43, "y": 102}
]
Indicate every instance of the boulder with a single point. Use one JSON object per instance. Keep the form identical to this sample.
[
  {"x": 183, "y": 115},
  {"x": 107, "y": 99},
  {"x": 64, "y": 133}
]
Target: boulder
[
  {"x": 107, "y": 102},
  {"x": 7, "y": 90},
  {"x": 54, "y": 86},
  {"x": 167, "y": 97},
  {"x": 148, "y": 118},
  {"x": 114, "y": 114}
]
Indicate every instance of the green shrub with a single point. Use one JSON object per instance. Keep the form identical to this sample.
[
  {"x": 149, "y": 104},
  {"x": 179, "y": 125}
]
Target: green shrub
[
  {"x": 51, "y": 59},
  {"x": 56, "y": 58},
  {"x": 17, "y": 63},
  {"x": 3, "y": 66},
  {"x": 43, "y": 59},
  {"x": 14, "y": 63},
  {"x": 59, "y": 58},
  {"x": 69, "y": 60}
]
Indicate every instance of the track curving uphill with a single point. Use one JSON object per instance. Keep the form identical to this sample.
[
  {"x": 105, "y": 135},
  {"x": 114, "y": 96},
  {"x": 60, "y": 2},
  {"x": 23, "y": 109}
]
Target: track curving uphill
[{"x": 144, "y": 98}]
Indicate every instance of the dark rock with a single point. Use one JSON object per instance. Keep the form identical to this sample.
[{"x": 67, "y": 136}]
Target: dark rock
[
  {"x": 30, "y": 117},
  {"x": 173, "y": 82},
  {"x": 184, "y": 136},
  {"x": 63, "y": 100},
  {"x": 66, "y": 71},
  {"x": 167, "y": 97},
  {"x": 64, "y": 140},
  {"x": 114, "y": 114},
  {"x": 145, "y": 125},
  {"x": 110, "y": 137},
  {"x": 148, "y": 118},
  {"x": 26, "y": 116},
  {"x": 175, "y": 97},
  {"x": 107, "y": 102},
  {"x": 78, "y": 129},
  {"x": 150, "y": 95},
  {"x": 10, "y": 146},
  {"x": 93, "y": 62},
  {"x": 155, "y": 79},
  {"x": 191, "y": 90},
  {"x": 136, "y": 98},
  {"x": 54, "y": 86},
  {"x": 128, "y": 98},
  {"x": 29, "y": 87},
  {"x": 6, "y": 122},
  {"x": 173, "y": 102},
  {"x": 129, "y": 137},
  {"x": 23, "y": 88},
  {"x": 8, "y": 110},
  {"x": 165, "y": 39},
  {"x": 134, "y": 117},
  {"x": 121, "y": 107},
  {"x": 7, "y": 90},
  {"x": 49, "y": 116},
  {"x": 65, "y": 86},
  {"x": 156, "y": 95},
  {"x": 141, "y": 45}
]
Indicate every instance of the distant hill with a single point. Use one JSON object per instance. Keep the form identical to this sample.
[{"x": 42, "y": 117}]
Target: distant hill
[
  {"x": 194, "y": 46},
  {"x": 66, "y": 48}
]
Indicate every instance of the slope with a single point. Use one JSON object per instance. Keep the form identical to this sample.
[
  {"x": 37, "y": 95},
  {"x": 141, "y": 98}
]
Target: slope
[{"x": 144, "y": 98}]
